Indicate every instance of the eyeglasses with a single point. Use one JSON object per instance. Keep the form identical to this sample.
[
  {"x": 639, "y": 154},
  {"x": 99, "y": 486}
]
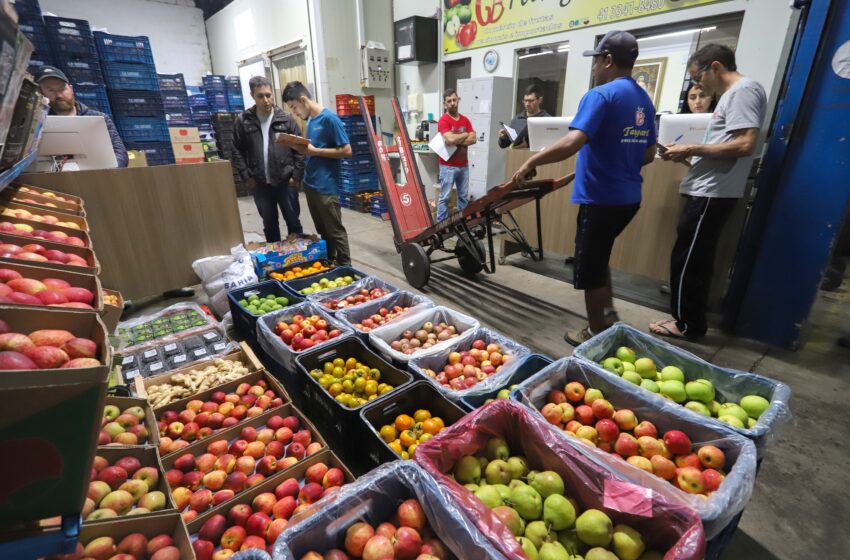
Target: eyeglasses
[
  {"x": 700, "y": 73},
  {"x": 54, "y": 90}
]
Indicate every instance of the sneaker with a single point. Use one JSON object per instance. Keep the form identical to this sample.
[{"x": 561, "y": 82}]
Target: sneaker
[{"x": 576, "y": 337}]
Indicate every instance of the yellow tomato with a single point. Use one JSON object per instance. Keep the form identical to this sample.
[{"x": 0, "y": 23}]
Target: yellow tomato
[
  {"x": 339, "y": 362},
  {"x": 411, "y": 449},
  {"x": 403, "y": 422},
  {"x": 407, "y": 438},
  {"x": 351, "y": 363},
  {"x": 425, "y": 437},
  {"x": 430, "y": 426},
  {"x": 335, "y": 389},
  {"x": 421, "y": 415},
  {"x": 370, "y": 387},
  {"x": 439, "y": 422},
  {"x": 395, "y": 446}
]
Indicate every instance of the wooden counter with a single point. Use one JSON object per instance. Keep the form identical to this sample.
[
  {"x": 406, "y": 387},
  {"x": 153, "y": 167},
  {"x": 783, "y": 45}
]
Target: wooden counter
[
  {"x": 149, "y": 223},
  {"x": 644, "y": 247}
]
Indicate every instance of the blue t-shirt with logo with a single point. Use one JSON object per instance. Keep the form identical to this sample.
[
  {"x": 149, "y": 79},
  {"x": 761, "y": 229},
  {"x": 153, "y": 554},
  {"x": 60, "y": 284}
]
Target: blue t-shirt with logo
[
  {"x": 619, "y": 120},
  {"x": 324, "y": 131}
]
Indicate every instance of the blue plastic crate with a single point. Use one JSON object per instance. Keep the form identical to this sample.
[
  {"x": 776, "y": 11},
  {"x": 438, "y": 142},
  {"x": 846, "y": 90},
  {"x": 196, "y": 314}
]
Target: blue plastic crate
[
  {"x": 136, "y": 103},
  {"x": 199, "y": 101},
  {"x": 172, "y": 82},
  {"x": 81, "y": 71},
  {"x": 213, "y": 80},
  {"x": 142, "y": 129},
  {"x": 178, "y": 118},
  {"x": 70, "y": 37},
  {"x": 125, "y": 75},
  {"x": 122, "y": 48},
  {"x": 68, "y": 24},
  {"x": 27, "y": 9},
  {"x": 93, "y": 96},
  {"x": 157, "y": 153},
  {"x": 174, "y": 99}
]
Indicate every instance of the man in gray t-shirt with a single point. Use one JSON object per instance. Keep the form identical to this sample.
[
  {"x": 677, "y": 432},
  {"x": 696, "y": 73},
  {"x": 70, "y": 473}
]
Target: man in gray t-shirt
[{"x": 712, "y": 186}]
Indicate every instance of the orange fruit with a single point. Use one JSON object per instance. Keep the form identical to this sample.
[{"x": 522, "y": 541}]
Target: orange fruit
[
  {"x": 430, "y": 426},
  {"x": 395, "y": 446},
  {"x": 388, "y": 433},
  {"x": 439, "y": 422},
  {"x": 421, "y": 415},
  {"x": 403, "y": 422},
  {"x": 407, "y": 438}
]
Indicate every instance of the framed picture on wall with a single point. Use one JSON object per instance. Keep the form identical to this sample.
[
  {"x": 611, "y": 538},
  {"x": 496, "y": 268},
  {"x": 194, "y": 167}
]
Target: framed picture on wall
[{"x": 649, "y": 74}]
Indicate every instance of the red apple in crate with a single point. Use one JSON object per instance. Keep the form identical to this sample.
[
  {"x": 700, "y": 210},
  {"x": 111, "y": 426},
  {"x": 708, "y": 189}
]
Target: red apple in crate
[
  {"x": 21, "y": 298},
  {"x": 47, "y": 357},
  {"x": 50, "y": 337}
]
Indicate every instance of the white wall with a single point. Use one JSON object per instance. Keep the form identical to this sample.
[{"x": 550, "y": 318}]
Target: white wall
[
  {"x": 274, "y": 24},
  {"x": 175, "y": 28}
]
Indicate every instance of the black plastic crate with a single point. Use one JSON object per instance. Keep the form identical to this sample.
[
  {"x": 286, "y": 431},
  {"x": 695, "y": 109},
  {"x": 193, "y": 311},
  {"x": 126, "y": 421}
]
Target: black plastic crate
[
  {"x": 93, "y": 96},
  {"x": 295, "y": 286},
  {"x": 136, "y": 103},
  {"x": 63, "y": 23},
  {"x": 122, "y": 48},
  {"x": 336, "y": 420},
  {"x": 81, "y": 71},
  {"x": 529, "y": 366},
  {"x": 157, "y": 153},
  {"x": 125, "y": 75},
  {"x": 407, "y": 400},
  {"x": 178, "y": 119},
  {"x": 27, "y": 9},
  {"x": 174, "y": 100},
  {"x": 245, "y": 323},
  {"x": 172, "y": 82}
]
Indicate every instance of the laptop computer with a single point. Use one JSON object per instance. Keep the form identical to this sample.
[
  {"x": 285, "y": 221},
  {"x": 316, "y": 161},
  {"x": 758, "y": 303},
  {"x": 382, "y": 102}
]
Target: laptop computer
[{"x": 544, "y": 131}]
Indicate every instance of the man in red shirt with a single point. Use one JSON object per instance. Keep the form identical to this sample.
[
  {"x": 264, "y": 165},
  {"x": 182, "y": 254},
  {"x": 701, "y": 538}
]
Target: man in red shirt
[{"x": 457, "y": 131}]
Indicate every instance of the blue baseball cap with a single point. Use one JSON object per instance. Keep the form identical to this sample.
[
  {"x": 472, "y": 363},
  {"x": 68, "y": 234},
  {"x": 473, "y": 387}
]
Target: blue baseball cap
[{"x": 621, "y": 44}]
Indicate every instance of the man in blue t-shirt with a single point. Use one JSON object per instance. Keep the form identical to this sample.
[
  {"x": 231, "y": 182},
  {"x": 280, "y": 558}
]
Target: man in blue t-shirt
[
  {"x": 328, "y": 144},
  {"x": 613, "y": 133}
]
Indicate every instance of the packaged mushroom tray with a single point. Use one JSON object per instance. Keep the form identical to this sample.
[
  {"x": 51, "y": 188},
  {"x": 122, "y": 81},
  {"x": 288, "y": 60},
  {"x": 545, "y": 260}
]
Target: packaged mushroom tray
[{"x": 182, "y": 383}]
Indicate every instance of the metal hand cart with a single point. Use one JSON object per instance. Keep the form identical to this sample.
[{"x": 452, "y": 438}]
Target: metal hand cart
[{"x": 416, "y": 235}]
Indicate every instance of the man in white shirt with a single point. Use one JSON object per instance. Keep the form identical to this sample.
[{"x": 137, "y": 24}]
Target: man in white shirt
[{"x": 713, "y": 185}]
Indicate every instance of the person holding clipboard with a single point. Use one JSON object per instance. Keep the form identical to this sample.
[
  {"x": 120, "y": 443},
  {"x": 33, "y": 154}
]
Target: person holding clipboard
[
  {"x": 457, "y": 132},
  {"x": 516, "y": 134}
]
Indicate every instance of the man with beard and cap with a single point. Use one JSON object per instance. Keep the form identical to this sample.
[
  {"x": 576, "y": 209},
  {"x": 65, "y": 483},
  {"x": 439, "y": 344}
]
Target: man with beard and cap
[{"x": 54, "y": 85}]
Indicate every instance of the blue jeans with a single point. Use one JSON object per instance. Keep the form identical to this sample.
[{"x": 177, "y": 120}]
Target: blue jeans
[
  {"x": 268, "y": 199},
  {"x": 449, "y": 176}
]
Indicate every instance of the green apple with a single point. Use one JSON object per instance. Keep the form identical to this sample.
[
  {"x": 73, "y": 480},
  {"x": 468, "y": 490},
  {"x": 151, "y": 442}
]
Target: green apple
[
  {"x": 650, "y": 385},
  {"x": 675, "y": 390},
  {"x": 528, "y": 548},
  {"x": 594, "y": 528},
  {"x": 538, "y": 532},
  {"x": 632, "y": 377},
  {"x": 569, "y": 540},
  {"x": 547, "y": 483},
  {"x": 498, "y": 472},
  {"x": 614, "y": 365},
  {"x": 732, "y": 409},
  {"x": 558, "y": 512},
  {"x": 714, "y": 407},
  {"x": 754, "y": 405},
  {"x": 504, "y": 491},
  {"x": 672, "y": 373},
  {"x": 733, "y": 421},
  {"x": 628, "y": 366},
  {"x": 698, "y": 407},
  {"x": 519, "y": 467},
  {"x": 646, "y": 368},
  {"x": 751, "y": 422},
  {"x": 497, "y": 448},
  {"x": 700, "y": 390},
  {"x": 503, "y": 394},
  {"x": 527, "y": 502},
  {"x": 626, "y": 354},
  {"x": 468, "y": 470},
  {"x": 628, "y": 543}
]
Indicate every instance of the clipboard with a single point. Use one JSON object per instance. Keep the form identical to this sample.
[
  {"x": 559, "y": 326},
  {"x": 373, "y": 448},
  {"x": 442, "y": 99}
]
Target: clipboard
[
  {"x": 284, "y": 138},
  {"x": 512, "y": 134}
]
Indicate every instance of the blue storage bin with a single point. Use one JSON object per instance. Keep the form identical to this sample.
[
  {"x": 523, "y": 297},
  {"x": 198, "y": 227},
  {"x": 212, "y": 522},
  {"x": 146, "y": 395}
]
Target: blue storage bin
[
  {"x": 27, "y": 9},
  {"x": 81, "y": 71},
  {"x": 157, "y": 153},
  {"x": 213, "y": 80},
  {"x": 125, "y": 75},
  {"x": 178, "y": 119},
  {"x": 93, "y": 96},
  {"x": 121, "y": 48},
  {"x": 136, "y": 103},
  {"x": 142, "y": 129},
  {"x": 172, "y": 82},
  {"x": 174, "y": 99}
]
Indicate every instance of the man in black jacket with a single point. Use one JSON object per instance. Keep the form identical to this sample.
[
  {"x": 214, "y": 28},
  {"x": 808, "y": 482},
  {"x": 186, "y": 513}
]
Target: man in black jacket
[
  {"x": 272, "y": 171},
  {"x": 532, "y": 100}
]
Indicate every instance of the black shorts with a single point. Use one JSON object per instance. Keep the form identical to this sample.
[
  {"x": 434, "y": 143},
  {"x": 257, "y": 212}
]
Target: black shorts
[{"x": 597, "y": 228}]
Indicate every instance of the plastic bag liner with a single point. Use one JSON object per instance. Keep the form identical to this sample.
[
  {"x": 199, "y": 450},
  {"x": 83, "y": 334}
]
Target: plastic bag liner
[
  {"x": 170, "y": 310},
  {"x": 223, "y": 273},
  {"x": 274, "y": 346},
  {"x": 355, "y": 315},
  {"x": 435, "y": 362},
  {"x": 374, "y": 498},
  {"x": 381, "y": 337},
  {"x": 666, "y": 525},
  {"x": 729, "y": 384},
  {"x": 368, "y": 283},
  {"x": 721, "y": 507},
  {"x": 251, "y": 554}
]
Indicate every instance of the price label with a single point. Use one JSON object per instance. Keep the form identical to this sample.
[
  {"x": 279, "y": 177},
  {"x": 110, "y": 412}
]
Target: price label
[
  {"x": 170, "y": 347},
  {"x": 128, "y": 360},
  {"x": 150, "y": 354},
  {"x": 156, "y": 367},
  {"x": 179, "y": 359},
  {"x": 132, "y": 374},
  {"x": 219, "y": 347},
  {"x": 200, "y": 352},
  {"x": 210, "y": 336}
]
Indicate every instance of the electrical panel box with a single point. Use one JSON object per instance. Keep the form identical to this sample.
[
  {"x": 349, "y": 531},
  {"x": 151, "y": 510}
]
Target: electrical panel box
[
  {"x": 416, "y": 40},
  {"x": 377, "y": 67}
]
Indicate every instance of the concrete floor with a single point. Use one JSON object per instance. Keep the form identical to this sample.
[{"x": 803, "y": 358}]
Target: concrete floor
[{"x": 799, "y": 507}]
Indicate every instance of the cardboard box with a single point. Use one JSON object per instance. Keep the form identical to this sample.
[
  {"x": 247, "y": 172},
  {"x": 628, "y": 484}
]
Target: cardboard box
[
  {"x": 111, "y": 314},
  {"x": 41, "y": 202},
  {"x": 184, "y": 134},
  {"x": 63, "y": 216},
  {"x": 76, "y": 279},
  {"x": 137, "y": 158},
  {"x": 47, "y": 192},
  {"x": 245, "y": 355},
  {"x": 149, "y": 457},
  {"x": 87, "y": 254},
  {"x": 297, "y": 471},
  {"x": 84, "y": 235},
  {"x": 188, "y": 152},
  {"x": 264, "y": 263},
  {"x": 123, "y": 403},
  {"x": 50, "y": 422}
]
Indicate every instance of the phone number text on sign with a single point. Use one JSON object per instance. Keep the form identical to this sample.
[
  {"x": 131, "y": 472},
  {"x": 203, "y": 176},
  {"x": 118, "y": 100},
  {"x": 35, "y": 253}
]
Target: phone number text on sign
[{"x": 627, "y": 9}]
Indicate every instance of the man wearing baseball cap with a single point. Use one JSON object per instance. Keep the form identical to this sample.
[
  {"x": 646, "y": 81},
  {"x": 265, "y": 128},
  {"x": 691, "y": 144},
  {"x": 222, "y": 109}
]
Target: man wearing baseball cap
[
  {"x": 54, "y": 85},
  {"x": 613, "y": 133}
]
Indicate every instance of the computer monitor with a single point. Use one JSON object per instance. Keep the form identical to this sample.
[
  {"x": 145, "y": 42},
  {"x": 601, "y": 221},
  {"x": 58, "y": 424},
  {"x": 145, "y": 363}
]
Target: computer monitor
[
  {"x": 544, "y": 131},
  {"x": 77, "y": 143},
  {"x": 683, "y": 129}
]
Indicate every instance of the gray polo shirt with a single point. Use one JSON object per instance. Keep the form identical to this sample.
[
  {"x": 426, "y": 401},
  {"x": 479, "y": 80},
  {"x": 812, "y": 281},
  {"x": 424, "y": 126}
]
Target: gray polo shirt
[{"x": 742, "y": 106}]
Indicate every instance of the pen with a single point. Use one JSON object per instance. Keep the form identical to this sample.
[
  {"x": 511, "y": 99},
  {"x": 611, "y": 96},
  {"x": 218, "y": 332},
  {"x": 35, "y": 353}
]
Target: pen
[{"x": 679, "y": 137}]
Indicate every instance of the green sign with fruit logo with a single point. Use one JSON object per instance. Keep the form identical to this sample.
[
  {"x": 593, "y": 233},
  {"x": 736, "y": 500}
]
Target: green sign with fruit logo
[{"x": 470, "y": 24}]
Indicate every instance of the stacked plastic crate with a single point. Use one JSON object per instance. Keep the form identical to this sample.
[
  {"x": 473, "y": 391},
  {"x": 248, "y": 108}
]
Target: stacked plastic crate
[
  {"x": 233, "y": 88},
  {"x": 175, "y": 100},
  {"x": 133, "y": 89},
  {"x": 201, "y": 116},
  {"x": 224, "y": 124},
  {"x": 74, "y": 52},
  {"x": 31, "y": 24},
  {"x": 357, "y": 172}
]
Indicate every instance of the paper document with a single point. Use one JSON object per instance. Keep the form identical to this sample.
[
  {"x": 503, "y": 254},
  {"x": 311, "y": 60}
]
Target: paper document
[
  {"x": 512, "y": 133},
  {"x": 438, "y": 144}
]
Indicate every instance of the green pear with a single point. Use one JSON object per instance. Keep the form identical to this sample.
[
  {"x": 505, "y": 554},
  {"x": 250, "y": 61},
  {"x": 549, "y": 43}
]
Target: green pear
[
  {"x": 503, "y": 394},
  {"x": 482, "y": 462},
  {"x": 497, "y": 448},
  {"x": 519, "y": 467},
  {"x": 754, "y": 405},
  {"x": 626, "y": 354},
  {"x": 547, "y": 483},
  {"x": 632, "y": 377},
  {"x": 569, "y": 540},
  {"x": 489, "y": 496},
  {"x": 650, "y": 385},
  {"x": 516, "y": 483},
  {"x": 599, "y": 553},
  {"x": 471, "y": 487},
  {"x": 751, "y": 423},
  {"x": 553, "y": 551},
  {"x": 538, "y": 532},
  {"x": 558, "y": 512},
  {"x": 503, "y": 491},
  {"x": 498, "y": 472},
  {"x": 528, "y": 548},
  {"x": 698, "y": 407},
  {"x": 468, "y": 470},
  {"x": 527, "y": 502},
  {"x": 594, "y": 528},
  {"x": 628, "y": 543}
]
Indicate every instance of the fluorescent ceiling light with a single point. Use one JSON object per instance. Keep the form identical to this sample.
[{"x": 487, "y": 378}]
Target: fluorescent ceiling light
[
  {"x": 535, "y": 54},
  {"x": 678, "y": 33}
]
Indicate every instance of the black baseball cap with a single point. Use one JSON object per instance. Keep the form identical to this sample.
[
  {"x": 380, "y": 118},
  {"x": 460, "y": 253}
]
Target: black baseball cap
[
  {"x": 621, "y": 44},
  {"x": 50, "y": 72}
]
